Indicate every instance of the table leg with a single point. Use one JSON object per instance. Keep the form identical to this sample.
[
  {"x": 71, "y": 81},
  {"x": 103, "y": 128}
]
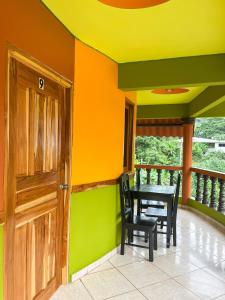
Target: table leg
[
  {"x": 138, "y": 207},
  {"x": 168, "y": 234}
]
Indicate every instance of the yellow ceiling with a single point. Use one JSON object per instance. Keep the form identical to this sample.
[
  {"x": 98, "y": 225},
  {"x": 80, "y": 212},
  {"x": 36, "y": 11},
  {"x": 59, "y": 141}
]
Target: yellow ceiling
[
  {"x": 176, "y": 28},
  {"x": 149, "y": 98}
]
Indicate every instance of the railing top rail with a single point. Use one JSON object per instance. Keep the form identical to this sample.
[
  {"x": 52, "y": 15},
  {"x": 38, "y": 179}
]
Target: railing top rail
[
  {"x": 210, "y": 173},
  {"x": 174, "y": 168}
]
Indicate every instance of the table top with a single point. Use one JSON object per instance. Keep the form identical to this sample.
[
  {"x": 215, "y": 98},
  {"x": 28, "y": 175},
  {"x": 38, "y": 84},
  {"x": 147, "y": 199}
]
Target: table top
[{"x": 154, "y": 189}]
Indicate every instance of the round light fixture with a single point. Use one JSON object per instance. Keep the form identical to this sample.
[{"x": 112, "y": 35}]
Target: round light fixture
[
  {"x": 170, "y": 91},
  {"x": 132, "y": 4}
]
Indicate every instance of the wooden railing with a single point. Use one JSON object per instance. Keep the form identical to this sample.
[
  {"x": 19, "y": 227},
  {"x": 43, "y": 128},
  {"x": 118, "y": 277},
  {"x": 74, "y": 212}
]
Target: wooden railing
[
  {"x": 156, "y": 174},
  {"x": 210, "y": 188}
]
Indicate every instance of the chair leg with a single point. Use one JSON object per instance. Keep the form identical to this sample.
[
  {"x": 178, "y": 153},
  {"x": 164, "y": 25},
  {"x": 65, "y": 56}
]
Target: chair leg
[
  {"x": 130, "y": 236},
  {"x": 174, "y": 234},
  {"x": 123, "y": 233},
  {"x": 138, "y": 207},
  {"x": 155, "y": 238},
  {"x": 146, "y": 236},
  {"x": 161, "y": 227},
  {"x": 151, "y": 246}
]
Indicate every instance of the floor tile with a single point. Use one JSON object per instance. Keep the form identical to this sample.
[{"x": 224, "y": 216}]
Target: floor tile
[
  {"x": 129, "y": 257},
  {"x": 217, "y": 270},
  {"x": 174, "y": 265},
  {"x": 168, "y": 290},
  {"x": 106, "y": 284},
  {"x": 142, "y": 273},
  {"x": 198, "y": 257},
  {"x": 202, "y": 284},
  {"x": 135, "y": 295},
  {"x": 196, "y": 265},
  {"x": 220, "y": 298},
  {"x": 103, "y": 267},
  {"x": 73, "y": 291}
]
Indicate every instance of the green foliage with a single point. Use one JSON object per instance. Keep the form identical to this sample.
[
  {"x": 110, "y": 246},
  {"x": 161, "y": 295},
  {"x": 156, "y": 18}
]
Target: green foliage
[
  {"x": 211, "y": 128},
  {"x": 157, "y": 151},
  {"x": 214, "y": 160},
  {"x": 198, "y": 152},
  {"x": 167, "y": 151}
]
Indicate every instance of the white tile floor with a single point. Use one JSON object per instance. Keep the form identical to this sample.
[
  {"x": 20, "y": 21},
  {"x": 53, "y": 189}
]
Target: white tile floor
[{"x": 195, "y": 269}]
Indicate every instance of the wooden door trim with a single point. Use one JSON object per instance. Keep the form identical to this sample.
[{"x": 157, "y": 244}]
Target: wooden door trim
[
  {"x": 18, "y": 55},
  {"x": 2, "y": 218}
]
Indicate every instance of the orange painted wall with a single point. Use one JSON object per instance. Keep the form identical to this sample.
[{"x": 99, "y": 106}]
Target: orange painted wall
[
  {"x": 98, "y": 117},
  {"x": 29, "y": 26}
]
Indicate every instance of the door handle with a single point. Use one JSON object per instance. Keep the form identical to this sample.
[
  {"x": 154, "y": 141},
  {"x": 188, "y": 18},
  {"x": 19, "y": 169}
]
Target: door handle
[{"x": 64, "y": 186}]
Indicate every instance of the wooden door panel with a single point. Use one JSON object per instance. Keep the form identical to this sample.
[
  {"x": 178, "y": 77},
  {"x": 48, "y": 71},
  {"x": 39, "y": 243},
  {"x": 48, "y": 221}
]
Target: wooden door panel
[
  {"x": 37, "y": 133},
  {"x": 36, "y": 260},
  {"x": 35, "y": 213},
  {"x": 20, "y": 260},
  {"x": 22, "y": 130}
]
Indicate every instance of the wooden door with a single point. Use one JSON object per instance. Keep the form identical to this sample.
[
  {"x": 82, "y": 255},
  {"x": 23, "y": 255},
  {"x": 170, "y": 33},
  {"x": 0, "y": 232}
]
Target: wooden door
[{"x": 35, "y": 169}]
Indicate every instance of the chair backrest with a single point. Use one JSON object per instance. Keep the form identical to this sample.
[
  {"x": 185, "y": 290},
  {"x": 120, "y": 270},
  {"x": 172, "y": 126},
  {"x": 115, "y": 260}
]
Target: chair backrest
[
  {"x": 125, "y": 197},
  {"x": 177, "y": 193}
]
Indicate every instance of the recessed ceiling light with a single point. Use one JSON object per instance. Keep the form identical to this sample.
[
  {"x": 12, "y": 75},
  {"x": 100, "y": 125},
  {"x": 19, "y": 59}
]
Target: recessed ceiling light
[
  {"x": 170, "y": 91},
  {"x": 132, "y": 4}
]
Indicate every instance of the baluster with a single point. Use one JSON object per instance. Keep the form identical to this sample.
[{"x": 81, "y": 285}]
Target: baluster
[
  {"x": 213, "y": 192},
  {"x": 221, "y": 206},
  {"x": 198, "y": 196},
  {"x": 205, "y": 190},
  {"x": 171, "y": 177},
  {"x": 148, "y": 175},
  {"x": 159, "y": 180},
  {"x": 138, "y": 177}
]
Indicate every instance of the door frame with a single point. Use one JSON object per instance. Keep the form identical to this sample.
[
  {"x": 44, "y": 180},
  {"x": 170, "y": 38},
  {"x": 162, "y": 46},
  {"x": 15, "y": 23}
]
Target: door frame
[{"x": 29, "y": 61}]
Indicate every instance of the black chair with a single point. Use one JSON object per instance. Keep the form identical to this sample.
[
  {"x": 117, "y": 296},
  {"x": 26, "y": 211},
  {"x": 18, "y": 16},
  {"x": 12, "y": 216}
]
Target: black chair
[
  {"x": 143, "y": 204},
  {"x": 131, "y": 222},
  {"x": 161, "y": 213}
]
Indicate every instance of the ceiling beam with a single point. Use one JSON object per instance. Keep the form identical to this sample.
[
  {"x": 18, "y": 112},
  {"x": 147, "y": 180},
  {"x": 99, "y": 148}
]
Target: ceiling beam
[
  {"x": 215, "y": 112},
  {"x": 208, "y": 99},
  {"x": 162, "y": 111},
  {"x": 174, "y": 72}
]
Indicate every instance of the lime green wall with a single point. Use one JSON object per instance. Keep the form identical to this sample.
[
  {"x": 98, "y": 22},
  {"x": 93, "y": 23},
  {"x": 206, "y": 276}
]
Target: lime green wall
[
  {"x": 207, "y": 211},
  {"x": 94, "y": 225},
  {"x": 1, "y": 262}
]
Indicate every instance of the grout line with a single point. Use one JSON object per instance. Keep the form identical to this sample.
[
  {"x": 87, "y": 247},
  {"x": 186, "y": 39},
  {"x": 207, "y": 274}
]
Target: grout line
[
  {"x": 89, "y": 293},
  {"x": 130, "y": 282}
]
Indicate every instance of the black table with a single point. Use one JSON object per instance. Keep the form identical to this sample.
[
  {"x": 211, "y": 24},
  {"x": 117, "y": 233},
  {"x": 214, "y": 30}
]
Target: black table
[{"x": 163, "y": 193}]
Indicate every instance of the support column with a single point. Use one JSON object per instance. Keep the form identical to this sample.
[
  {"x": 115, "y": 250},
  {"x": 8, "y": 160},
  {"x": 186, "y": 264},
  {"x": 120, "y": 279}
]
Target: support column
[{"x": 188, "y": 129}]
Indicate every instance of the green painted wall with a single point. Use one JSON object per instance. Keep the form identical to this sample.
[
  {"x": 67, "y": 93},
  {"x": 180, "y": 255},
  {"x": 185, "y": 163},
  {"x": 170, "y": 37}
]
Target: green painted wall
[
  {"x": 94, "y": 225},
  {"x": 207, "y": 211},
  {"x": 1, "y": 262}
]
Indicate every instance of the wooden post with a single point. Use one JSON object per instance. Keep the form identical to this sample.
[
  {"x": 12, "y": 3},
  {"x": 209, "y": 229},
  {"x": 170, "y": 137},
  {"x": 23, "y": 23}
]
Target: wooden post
[{"x": 188, "y": 128}]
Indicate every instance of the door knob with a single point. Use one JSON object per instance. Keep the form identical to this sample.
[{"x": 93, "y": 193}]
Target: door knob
[{"x": 64, "y": 186}]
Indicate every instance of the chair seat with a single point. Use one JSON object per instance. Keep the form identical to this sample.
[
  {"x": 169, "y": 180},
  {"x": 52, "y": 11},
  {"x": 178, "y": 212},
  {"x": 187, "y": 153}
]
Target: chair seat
[
  {"x": 152, "y": 203},
  {"x": 156, "y": 212},
  {"x": 145, "y": 220}
]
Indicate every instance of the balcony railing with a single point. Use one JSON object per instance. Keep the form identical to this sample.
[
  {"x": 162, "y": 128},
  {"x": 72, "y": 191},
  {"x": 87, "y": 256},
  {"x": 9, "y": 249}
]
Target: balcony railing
[
  {"x": 153, "y": 174},
  {"x": 209, "y": 188}
]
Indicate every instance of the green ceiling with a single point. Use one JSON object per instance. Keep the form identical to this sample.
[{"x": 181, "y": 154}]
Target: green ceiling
[
  {"x": 149, "y": 98},
  {"x": 176, "y": 28}
]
